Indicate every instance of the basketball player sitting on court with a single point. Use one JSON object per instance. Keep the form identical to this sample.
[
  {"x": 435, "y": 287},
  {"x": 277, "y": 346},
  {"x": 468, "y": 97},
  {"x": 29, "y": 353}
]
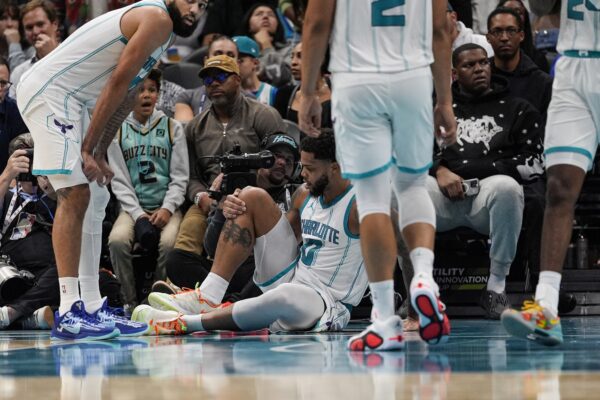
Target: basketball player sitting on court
[{"x": 311, "y": 288}]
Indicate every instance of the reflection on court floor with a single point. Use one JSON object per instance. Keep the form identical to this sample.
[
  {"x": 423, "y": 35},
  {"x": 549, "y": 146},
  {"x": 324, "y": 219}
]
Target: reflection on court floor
[{"x": 479, "y": 362}]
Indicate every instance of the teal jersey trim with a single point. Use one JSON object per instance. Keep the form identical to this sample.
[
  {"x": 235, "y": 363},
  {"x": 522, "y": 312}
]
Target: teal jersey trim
[
  {"x": 569, "y": 149},
  {"x": 304, "y": 203},
  {"x": 64, "y": 70},
  {"x": 51, "y": 172},
  {"x": 582, "y": 54},
  {"x": 347, "y": 220},
  {"x": 335, "y": 200},
  {"x": 279, "y": 275},
  {"x": 358, "y": 271},
  {"x": 348, "y": 50},
  {"x": 368, "y": 174},
  {"x": 408, "y": 170},
  {"x": 80, "y": 88},
  {"x": 342, "y": 261}
]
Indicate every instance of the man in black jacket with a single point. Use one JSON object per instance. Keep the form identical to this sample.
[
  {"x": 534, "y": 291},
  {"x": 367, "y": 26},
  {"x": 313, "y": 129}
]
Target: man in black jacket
[
  {"x": 525, "y": 78},
  {"x": 499, "y": 144}
]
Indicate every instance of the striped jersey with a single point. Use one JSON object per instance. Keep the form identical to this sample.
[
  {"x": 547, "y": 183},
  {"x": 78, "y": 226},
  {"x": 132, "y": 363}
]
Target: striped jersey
[
  {"x": 71, "y": 77},
  {"x": 579, "y": 26},
  {"x": 330, "y": 250},
  {"x": 147, "y": 151},
  {"x": 266, "y": 94},
  {"x": 381, "y": 35}
]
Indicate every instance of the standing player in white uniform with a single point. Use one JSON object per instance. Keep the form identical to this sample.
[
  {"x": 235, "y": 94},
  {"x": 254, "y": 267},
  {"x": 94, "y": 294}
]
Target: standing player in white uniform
[
  {"x": 572, "y": 134},
  {"x": 311, "y": 288},
  {"x": 381, "y": 53},
  {"x": 95, "y": 68}
]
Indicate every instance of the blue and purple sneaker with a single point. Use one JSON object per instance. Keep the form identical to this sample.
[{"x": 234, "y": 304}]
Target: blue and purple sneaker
[
  {"x": 77, "y": 324},
  {"x": 111, "y": 317}
]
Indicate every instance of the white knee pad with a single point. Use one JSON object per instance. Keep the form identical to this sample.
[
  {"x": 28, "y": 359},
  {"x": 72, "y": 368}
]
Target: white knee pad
[
  {"x": 414, "y": 203},
  {"x": 373, "y": 195},
  {"x": 94, "y": 215}
]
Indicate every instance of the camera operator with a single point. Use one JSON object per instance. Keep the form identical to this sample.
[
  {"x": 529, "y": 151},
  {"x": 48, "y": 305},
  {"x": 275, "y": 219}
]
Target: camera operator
[
  {"x": 231, "y": 118},
  {"x": 477, "y": 181},
  {"x": 276, "y": 180},
  {"x": 28, "y": 210}
]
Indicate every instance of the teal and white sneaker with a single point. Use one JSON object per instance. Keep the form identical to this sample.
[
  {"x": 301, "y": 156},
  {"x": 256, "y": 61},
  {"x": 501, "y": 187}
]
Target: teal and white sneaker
[
  {"x": 533, "y": 322},
  {"x": 111, "y": 317}
]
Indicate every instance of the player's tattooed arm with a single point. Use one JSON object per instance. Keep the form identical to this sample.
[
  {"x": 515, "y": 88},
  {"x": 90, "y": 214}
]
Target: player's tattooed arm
[
  {"x": 115, "y": 121},
  {"x": 237, "y": 235},
  {"x": 293, "y": 214}
]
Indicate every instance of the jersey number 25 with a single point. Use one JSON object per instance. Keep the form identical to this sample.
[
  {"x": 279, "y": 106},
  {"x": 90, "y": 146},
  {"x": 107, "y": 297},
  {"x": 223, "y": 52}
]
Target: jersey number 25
[{"x": 379, "y": 6}]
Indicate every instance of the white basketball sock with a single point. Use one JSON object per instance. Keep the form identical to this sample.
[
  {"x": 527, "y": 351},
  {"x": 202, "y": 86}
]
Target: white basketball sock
[
  {"x": 548, "y": 288},
  {"x": 69, "y": 293},
  {"x": 422, "y": 261},
  {"x": 194, "y": 322},
  {"x": 213, "y": 288},
  {"x": 382, "y": 294}
]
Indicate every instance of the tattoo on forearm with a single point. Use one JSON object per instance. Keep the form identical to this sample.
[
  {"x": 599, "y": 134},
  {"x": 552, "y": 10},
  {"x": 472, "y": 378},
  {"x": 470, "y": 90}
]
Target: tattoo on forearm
[
  {"x": 115, "y": 121},
  {"x": 237, "y": 235}
]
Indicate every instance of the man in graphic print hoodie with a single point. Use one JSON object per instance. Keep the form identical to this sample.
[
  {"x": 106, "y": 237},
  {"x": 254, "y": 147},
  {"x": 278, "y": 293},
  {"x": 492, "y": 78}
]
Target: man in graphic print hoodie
[{"x": 499, "y": 142}]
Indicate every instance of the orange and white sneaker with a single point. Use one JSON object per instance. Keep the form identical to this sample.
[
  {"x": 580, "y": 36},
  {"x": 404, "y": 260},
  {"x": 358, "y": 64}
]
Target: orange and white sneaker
[
  {"x": 380, "y": 335},
  {"x": 160, "y": 322},
  {"x": 434, "y": 325},
  {"x": 533, "y": 322},
  {"x": 189, "y": 302}
]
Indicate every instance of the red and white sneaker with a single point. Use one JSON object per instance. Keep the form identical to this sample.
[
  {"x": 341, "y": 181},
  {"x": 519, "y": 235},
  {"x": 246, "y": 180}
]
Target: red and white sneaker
[
  {"x": 380, "y": 335},
  {"x": 187, "y": 302},
  {"x": 434, "y": 325}
]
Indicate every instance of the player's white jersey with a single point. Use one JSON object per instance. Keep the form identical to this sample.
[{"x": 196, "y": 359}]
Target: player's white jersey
[
  {"x": 72, "y": 76},
  {"x": 580, "y": 28},
  {"x": 329, "y": 250},
  {"x": 381, "y": 35}
]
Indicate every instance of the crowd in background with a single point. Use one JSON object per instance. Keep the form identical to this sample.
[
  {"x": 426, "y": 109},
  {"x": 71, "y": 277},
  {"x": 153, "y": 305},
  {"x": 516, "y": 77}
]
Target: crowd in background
[{"x": 161, "y": 215}]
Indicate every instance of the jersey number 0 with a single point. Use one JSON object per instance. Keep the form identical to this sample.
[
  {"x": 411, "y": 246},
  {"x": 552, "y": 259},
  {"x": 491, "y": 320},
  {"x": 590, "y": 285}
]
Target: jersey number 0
[{"x": 377, "y": 9}]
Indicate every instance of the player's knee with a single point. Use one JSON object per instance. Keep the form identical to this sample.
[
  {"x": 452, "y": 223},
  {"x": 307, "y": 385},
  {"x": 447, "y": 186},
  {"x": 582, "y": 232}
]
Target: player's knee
[
  {"x": 74, "y": 198},
  {"x": 255, "y": 197},
  {"x": 561, "y": 191},
  {"x": 373, "y": 195}
]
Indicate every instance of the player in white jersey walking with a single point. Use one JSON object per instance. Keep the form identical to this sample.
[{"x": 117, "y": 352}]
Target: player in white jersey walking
[
  {"x": 97, "y": 67},
  {"x": 311, "y": 288},
  {"x": 571, "y": 140},
  {"x": 381, "y": 53}
]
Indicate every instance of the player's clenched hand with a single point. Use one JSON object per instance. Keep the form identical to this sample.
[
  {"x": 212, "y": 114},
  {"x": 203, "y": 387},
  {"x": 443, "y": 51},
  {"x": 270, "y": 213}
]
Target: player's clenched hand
[
  {"x": 309, "y": 115},
  {"x": 106, "y": 173},
  {"x": 445, "y": 125},
  {"x": 233, "y": 205},
  {"x": 450, "y": 184},
  {"x": 90, "y": 166}
]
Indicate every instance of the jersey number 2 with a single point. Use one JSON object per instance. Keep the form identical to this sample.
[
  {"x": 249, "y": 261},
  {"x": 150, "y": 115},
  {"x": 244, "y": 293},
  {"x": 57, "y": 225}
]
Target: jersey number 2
[
  {"x": 590, "y": 5},
  {"x": 379, "y": 6}
]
